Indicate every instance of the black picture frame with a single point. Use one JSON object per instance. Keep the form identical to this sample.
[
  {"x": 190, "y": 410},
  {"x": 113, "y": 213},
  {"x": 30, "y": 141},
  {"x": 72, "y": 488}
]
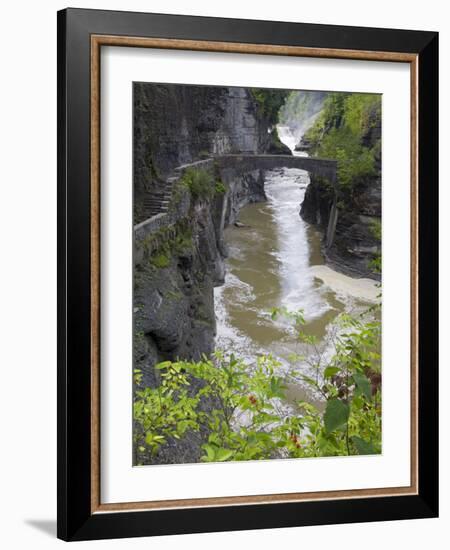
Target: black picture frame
[{"x": 75, "y": 518}]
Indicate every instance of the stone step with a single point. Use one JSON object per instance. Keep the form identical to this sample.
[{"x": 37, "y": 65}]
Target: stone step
[
  {"x": 151, "y": 202},
  {"x": 157, "y": 201},
  {"x": 158, "y": 197},
  {"x": 156, "y": 205}
]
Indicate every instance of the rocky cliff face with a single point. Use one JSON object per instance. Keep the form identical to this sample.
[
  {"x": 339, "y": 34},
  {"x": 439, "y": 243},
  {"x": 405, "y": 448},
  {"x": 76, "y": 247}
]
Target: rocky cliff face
[{"x": 178, "y": 124}]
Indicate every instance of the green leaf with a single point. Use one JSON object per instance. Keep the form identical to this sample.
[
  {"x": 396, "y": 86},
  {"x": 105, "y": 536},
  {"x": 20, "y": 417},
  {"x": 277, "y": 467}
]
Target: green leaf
[
  {"x": 363, "y": 384},
  {"x": 210, "y": 451},
  {"x": 276, "y": 387},
  {"x": 329, "y": 372},
  {"x": 223, "y": 454},
  {"x": 336, "y": 414},
  {"x": 273, "y": 385},
  {"x": 363, "y": 447}
]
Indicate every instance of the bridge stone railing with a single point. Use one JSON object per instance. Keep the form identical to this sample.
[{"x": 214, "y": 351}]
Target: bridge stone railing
[{"x": 326, "y": 168}]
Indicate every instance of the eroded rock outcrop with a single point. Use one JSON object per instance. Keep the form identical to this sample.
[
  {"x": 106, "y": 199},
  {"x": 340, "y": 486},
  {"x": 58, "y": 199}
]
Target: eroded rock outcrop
[{"x": 355, "y": 243}]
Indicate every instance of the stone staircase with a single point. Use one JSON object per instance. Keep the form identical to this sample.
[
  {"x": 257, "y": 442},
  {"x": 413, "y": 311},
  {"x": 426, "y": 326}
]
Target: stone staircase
[{"x": 157, "y": 202}]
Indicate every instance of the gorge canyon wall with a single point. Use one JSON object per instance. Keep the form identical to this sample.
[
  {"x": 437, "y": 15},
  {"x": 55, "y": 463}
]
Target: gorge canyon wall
[{"x": 178, "y": 264}]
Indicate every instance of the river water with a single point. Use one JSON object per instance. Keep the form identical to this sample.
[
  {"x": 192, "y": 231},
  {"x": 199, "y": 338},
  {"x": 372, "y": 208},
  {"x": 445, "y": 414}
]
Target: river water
[{"x": 275, "y": 261}]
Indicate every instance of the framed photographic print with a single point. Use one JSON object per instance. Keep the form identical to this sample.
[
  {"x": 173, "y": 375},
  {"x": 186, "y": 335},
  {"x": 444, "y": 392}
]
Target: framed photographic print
[{"x": 247, "y": 274}]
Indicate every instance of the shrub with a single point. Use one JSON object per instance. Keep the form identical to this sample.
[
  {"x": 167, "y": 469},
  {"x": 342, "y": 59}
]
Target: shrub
[
  {"x": 376, "y": 229},
  {"x": 174, "y": 245},
  {"x": 200, "y": 183},
  {"x": 160, "y": 260},
  {"x": 220, "y": 188},
  {"x": 181, "y": 242},
  {"x": 247, "y": 422}
]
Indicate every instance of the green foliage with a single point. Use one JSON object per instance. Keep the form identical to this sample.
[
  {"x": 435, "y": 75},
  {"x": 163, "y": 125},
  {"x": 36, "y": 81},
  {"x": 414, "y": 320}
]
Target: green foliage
[
  {"x": 336, "y": 415},
  {"x": 200, "y": 183},
  {"x": 375, "y": 264},
  {"x": 376, "y": 228},
  {"x": 340, "y": 133},
  {"x": 269, "y": 102},
  {"x": 220, "y": 188},
  {"x": 362, "y": 111},
  {"x": 160, "y": 260},
  {"x": 245, "y": 417},
  {"x": 165, "y": 411},
  {"x": 354, "y": 160},
  {"x": 363, "y": 447},
  {"x": 170, "y": 246},
  {"x": 137, "y": 376},
  {"x": 181, "y": 242}
]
